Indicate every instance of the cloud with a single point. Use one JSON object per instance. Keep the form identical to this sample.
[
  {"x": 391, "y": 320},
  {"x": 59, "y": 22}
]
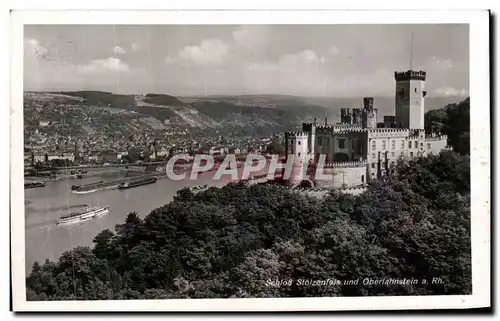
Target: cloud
[
  {"x": 33, "y": 47},
  {"x": 107, "y": 65},
  {"x": 119, "y": 50},
  {"x": 134, "y": 46},
  {"x": 169, "y": 60},
  {"x": 208, "y": 52},
  {"x": 304, "y": 57},
  {"x": 252, "y": 37},
  {"x": 333, "y": 50},
  {"x": 450, "y": 91},
  {"x": 441, "y": 64}
]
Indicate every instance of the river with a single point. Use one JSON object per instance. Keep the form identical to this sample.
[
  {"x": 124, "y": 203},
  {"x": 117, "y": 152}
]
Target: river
[{"x": 45, "y": 240}]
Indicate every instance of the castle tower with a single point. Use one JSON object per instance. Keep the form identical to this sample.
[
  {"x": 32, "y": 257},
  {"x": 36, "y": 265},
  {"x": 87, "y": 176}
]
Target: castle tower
[
  {"x": 356, "y": 116},
  {"x": 389, "y": 121},
  {"x": 345, "y": 116},
  {"x": 410, "y": 95},
  {"x": 369, "y": 114},
  {"x": 297, "y": 145},
  {"x": 310, "y": 129}
]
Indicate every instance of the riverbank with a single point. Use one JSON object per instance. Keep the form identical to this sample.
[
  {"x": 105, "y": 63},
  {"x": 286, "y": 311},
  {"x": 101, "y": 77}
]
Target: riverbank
[{"x": 61, "y": 177}]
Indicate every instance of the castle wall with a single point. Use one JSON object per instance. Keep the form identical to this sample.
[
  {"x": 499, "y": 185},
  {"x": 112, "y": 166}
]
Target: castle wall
[
  {"x": 385, "y": 147},
  {"x": 347, "y": 175},
  {"x": 435, "y": 145}
]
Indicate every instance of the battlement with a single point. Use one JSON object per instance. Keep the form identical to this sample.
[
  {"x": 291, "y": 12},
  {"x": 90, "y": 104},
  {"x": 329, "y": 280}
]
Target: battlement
[
  {"x": 353, "y": 190},
  {"x": 346, "y": 127},
  {"x": 388, "y": 130},
  {"x": 343, "y": 164},
  {"x": 436, "y": 137},
  {"x": 346, "y": 131},
  {"x": 324, "y": 128},
  {"x": 297, "y": 134},
  {"x": 410, "y": 75}
]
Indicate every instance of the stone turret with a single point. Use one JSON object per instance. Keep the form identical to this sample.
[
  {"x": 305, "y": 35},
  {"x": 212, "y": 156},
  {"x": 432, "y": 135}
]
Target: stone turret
[
  {"x": 345, "y": 116},
  {"x": 369, "y": 115},
  {"x": 356, "y": 116}
]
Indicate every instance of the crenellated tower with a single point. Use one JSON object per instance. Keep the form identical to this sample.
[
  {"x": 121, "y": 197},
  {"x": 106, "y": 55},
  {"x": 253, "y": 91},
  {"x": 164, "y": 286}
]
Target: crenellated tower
[
  {"x": 345, "y": 116},
  {"x": 410, "y": 93},
  {"x": 369, "y": 115},
  {"x": 297, "y": 145},
  {"x": 356, "y": 116}
]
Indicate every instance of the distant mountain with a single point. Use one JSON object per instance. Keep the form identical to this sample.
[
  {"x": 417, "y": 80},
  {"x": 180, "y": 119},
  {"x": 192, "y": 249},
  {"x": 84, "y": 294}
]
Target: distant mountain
[
  {"x": 268, "y": 112},
  {"x": 248, "y": 113},
  {"x": 161, "y": 99},
  {"x": 102, "y": 98}
]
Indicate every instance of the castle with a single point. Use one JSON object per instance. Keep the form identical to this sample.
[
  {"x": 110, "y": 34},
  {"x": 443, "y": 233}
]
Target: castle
[{"x": 358, "y": 149}]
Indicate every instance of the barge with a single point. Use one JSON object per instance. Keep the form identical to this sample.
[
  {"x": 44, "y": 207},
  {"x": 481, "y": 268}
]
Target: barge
[
  {"x": 94, "y": 187},
  {"x": 34, "y": 184},
  {"x": 75, "y": 187},
  {"x": 145, "y": 181}
]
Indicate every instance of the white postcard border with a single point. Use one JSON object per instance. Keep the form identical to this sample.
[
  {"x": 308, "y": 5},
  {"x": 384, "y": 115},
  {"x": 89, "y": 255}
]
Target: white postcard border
[{"x": 480, "y": 156}]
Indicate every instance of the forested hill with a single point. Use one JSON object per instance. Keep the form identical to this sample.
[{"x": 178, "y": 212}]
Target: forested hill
[
  {"x": 236, "y": 240},
  {"x": 454, "y": 121}
]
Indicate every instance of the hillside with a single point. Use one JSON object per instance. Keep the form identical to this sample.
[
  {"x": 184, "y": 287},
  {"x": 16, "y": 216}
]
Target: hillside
[
  {"x": 160, "y": 99},
  {"x": 242, "y": 114},
  {"x": 226, "y": 115},
  {"x": 454, "y": 121},
  {"x": 102, "y": 98}
]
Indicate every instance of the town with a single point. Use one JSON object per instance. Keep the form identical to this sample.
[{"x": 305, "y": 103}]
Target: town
[{"x": 64, "y": 135}]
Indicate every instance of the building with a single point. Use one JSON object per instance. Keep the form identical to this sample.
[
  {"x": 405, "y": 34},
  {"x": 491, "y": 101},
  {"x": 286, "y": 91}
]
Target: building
[
  {"x": 109, "y": 156},
  {"x": 70, "y": 157},
  {"x": 359, "y": 149}
]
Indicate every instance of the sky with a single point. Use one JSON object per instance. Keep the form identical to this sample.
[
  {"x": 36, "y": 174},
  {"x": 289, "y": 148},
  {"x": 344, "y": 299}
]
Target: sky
[{"x": 303, "y": 60}]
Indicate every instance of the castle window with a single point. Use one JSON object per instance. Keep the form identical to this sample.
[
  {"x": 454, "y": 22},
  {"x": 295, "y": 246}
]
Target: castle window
[
  {"x": 299, "y": 142},
  {"x": 373, "y": 165},
  {"x": 341, "y": 143},
  {"x": 402, "y": 144},
  {"x": 409, "y": 144},
  {"x": 374, "y": 145},
  {"x": 393, "y": 144},
  {"x": 362, "y": 178},
  {"x": 373, "y": 155},
  {"x": 415, "y": 89},
  {"x": 393, "y": 154},
  {"x": 411, "y": 154},
  {"x": 383, "y": 145},
  {"x": 428, "y": 145},
  {"x": 299, "y": 154},
  {"x": 416, "y": 144}
]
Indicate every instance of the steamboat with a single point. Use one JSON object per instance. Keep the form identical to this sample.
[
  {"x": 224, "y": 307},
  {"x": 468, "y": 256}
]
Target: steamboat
[{"x": 86, "y": 214}]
